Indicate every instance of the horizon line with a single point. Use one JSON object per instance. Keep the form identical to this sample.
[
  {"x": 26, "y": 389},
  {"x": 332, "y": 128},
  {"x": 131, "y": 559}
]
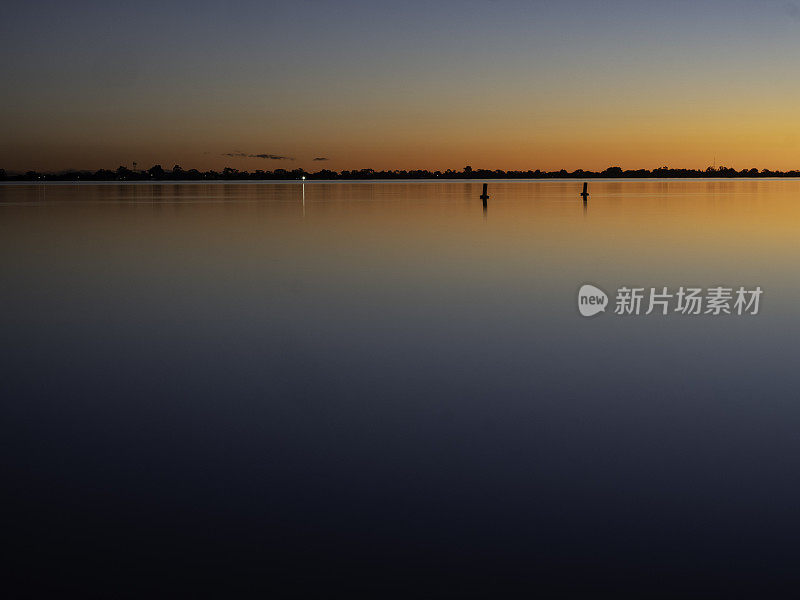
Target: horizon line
[{"x": 177, "y": 173}]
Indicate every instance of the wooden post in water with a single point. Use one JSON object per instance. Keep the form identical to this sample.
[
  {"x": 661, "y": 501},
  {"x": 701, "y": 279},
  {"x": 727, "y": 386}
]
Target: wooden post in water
[
  {"x": 585, "y": 192},
  {"x": 485, "y": 195}
]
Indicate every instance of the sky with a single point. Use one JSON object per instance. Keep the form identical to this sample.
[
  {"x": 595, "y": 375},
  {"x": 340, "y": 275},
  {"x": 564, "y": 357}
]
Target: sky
[{"x": 500, "y": 84}]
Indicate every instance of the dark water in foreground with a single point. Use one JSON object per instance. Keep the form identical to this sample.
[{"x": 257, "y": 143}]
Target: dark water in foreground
[{"x": 378, "y": 389}]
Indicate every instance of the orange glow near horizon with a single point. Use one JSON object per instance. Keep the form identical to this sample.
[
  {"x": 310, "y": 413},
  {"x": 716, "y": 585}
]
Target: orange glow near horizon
[
  {"x": 588, "y": 136},
  {"x": 590, "y": 85}
]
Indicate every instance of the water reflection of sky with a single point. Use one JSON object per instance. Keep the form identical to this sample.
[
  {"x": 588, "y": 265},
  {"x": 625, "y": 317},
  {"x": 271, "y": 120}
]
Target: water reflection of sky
[{"x": 391, "y": 389}]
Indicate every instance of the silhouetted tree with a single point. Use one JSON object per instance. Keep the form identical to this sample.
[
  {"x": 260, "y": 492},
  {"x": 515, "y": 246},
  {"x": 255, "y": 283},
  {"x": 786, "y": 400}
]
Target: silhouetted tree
[{"x": 156, "y": 173}]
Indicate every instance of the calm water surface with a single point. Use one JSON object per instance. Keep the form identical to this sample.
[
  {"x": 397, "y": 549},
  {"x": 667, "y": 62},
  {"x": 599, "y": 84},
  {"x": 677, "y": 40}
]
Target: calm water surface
[{"x": 379, "y": 387}]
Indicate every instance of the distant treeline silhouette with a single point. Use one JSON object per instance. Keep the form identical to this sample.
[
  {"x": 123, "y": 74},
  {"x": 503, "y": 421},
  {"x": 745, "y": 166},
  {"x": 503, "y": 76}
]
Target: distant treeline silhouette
[{"x": 158, "y": 173}]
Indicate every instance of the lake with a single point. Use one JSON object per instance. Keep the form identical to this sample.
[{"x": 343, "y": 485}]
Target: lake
[{"x": 377, "y": 387}]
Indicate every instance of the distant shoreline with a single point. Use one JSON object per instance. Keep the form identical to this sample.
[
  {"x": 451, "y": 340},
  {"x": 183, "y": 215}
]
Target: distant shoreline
[
  {"x": 177, "y": 174},
  {"x": 476, "y": 180}
]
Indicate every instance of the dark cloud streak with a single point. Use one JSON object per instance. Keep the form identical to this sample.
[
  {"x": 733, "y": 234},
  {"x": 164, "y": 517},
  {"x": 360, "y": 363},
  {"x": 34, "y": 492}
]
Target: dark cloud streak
[
  {"x": 320, "y": 158},
  {"x": 266, "y": 156}
]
